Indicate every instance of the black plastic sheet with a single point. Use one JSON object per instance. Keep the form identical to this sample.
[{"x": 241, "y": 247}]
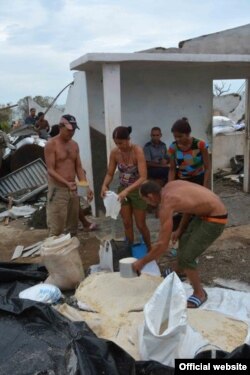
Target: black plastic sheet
[{"x": 37, "y": 340}]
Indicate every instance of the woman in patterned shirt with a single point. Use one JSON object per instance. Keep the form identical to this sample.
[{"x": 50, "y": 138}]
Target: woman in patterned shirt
[{"x": 189, "y": 159}]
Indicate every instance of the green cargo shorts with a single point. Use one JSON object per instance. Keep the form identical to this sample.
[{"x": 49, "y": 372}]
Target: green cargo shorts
[
  {"x": 133, "y": 199},
  {"x": 198, "y": 236}
]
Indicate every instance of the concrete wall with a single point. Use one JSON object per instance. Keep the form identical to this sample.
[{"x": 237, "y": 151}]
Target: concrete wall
[
  {"x": 233, "y": 41},
  {"x": 225, "y": 147},
  {"x": 240, "y": 110},
  {"x": 95, "y": 100},
  {"x": 232, "y": 106},
  {"x": 158, "y": 97},
  {"x": 226, "y": 104}
]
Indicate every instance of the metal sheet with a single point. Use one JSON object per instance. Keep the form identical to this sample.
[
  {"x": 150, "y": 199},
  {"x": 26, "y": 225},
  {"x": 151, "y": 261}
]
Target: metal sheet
[{"x": 25, "y": 182}]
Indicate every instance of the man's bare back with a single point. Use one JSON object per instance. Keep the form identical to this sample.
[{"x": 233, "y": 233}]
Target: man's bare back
[
  {"x": 195, "y": 234},
  {"x": 187, "y": 197}
]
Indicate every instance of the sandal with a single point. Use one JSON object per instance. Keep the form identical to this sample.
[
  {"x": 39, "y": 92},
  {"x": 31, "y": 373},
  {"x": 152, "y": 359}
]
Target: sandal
[{"x": 196, "y": 301}]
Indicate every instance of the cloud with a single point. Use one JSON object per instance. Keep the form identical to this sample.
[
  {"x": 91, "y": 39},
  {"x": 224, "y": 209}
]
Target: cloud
[{"x": 40, "y": 38}]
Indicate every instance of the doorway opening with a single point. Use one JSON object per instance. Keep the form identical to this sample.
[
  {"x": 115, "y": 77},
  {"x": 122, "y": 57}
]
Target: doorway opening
[{"x": 228, "y": 127}]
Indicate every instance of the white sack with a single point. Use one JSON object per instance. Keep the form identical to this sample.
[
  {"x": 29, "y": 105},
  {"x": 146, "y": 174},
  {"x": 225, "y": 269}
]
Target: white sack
[
  {"x": 223, "y": 130},
  {"x": 61, "y": 258},
  {"x": 166, "y": 334},
  {"x": 222, "y": 121},
  {"x": 42, "y": 293},
  {"x": 106, "y": 256}
]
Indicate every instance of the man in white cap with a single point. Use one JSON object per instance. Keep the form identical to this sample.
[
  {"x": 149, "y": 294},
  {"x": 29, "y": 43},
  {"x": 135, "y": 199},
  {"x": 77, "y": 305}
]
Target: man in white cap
[{"x": 64, "y": 165}]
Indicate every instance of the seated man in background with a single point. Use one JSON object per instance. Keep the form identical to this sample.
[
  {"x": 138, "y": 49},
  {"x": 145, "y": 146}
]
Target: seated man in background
[
  {"x": 156, "y": 157},
  {"x": 42, "y": 126},
  {"x": 31, "y": 119}
]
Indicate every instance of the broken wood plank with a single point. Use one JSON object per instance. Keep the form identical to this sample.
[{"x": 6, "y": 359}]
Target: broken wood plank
[
  {"x": 17, "y": 252},
  {"x": 32, "y": 246},
  {"x": 31, "y": 251},
  {"x": 38, "y": 253},
  {"x": 10, "y": 202}
]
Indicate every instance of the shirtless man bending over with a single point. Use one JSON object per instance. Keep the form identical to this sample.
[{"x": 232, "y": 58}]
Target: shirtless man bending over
[
  {"x": 64, "y": 165},
  {"x": 209, "y": 219}
]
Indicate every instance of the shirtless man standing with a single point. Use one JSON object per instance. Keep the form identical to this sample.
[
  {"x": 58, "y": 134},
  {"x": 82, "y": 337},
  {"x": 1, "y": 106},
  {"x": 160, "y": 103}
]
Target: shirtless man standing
[
  {"x": 64, "y": 165},
  {"x": 196, "y": 235}
]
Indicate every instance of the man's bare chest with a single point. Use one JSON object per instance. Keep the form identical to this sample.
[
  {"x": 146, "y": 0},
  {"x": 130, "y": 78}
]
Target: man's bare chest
[{"x": 66, "y": 153}]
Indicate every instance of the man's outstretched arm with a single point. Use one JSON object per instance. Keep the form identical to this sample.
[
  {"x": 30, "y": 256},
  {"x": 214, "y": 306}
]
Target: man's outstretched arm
[{"x": 160, "y": 246}]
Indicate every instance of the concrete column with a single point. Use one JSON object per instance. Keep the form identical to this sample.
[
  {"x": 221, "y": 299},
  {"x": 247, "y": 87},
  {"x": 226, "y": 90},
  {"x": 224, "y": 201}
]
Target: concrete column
[
  {"x": 112, "y": 101},
  {"x": 246, "y": 185}
]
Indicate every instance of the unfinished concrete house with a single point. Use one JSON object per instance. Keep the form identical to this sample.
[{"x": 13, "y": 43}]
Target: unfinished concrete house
[{"x": 154, "y": 88}]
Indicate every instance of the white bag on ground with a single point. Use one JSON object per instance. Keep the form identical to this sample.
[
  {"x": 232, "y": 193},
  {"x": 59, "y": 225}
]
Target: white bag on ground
[
  {"x": 106, "y": 256},
  {"x": 42, "y": 293},
  {"x": 111, "y": 252},
  {"x": 166, "y": 334},
  {"x": 61, "y": 257}
]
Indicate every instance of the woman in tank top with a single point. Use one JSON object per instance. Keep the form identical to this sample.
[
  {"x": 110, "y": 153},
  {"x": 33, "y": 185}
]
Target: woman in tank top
[{"x": 131, "y": 164}]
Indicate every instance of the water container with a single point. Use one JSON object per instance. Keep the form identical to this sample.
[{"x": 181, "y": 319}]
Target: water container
[
  {"x": 139, "y": 250},
  {"x": 126, "y": 269}
]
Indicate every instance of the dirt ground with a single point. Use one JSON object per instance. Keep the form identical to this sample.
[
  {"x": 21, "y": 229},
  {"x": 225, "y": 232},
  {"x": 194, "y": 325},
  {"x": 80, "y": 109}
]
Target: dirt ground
[{"x": 227, "y": 258}]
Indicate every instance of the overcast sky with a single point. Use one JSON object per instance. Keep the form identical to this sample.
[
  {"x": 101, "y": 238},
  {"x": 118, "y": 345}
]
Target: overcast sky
[{"x": 39, "y": 38}]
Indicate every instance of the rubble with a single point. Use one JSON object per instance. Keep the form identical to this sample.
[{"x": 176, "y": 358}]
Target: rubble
[
  {"x": 234, "y": 173},
  {"x": 24, "y": 183},
  {"x": 32, "y": 250}
]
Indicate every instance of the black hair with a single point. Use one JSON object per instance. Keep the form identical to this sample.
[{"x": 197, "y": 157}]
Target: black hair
[
  {"x": 181, "y": 126},
  {"x": 54, "y": 130},
  {"x": 149, "y": 187},
  {"x": 156, "y": 128},
  {"x": 32, "y": 109},
  {"x": 122, "y": 132},
  {"x": 40, "y": 114}
]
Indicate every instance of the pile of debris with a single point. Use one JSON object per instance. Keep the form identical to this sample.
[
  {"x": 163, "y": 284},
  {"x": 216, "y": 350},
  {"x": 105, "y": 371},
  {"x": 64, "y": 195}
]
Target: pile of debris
[{"x": 235, "y": 173}]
